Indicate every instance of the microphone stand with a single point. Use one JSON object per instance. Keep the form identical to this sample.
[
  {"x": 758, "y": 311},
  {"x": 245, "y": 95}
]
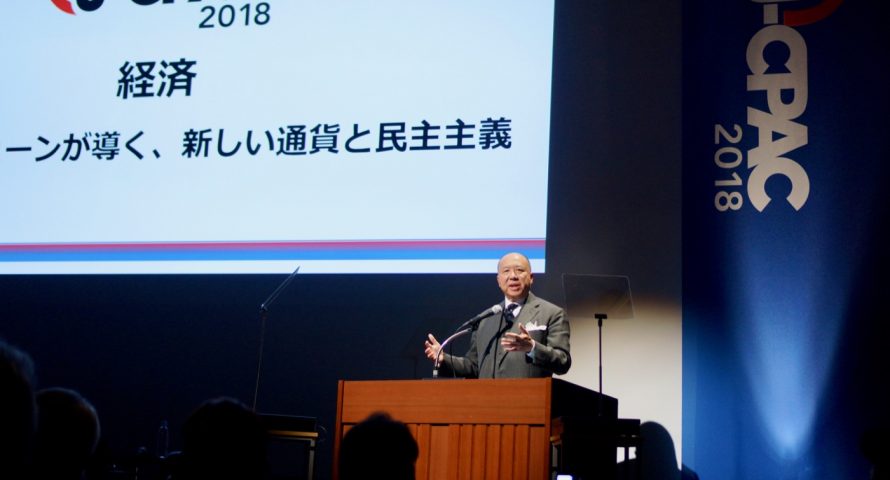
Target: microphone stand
[
  {"x": 264, "y": 312},
  {"x": 442, "y": 349},
  {"x": 468, "y": 326},
  {"x": 599, "y": 322},
  {"x": 494, "y": 366}
]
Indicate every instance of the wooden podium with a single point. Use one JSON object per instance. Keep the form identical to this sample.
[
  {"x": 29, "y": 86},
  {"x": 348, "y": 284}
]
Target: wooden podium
[{"x": 473, "y": 429}]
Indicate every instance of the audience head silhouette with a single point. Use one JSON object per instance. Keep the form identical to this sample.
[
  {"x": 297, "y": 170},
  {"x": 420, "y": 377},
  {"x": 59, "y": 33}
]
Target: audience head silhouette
[
  {"x": 656, "y": 453},
  {"x": 656, "y": 457},
  {"x": 875, "y": 445},
  {"x": 17, "y": 410},
  {"x": 378, "y": 447},
  {"x": 67, "y": 434},
  {"x": 224, "y": 439}
]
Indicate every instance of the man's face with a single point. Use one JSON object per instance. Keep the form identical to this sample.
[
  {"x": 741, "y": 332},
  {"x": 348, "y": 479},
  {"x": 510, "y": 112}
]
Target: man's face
[{"x": 515, "y": 276}]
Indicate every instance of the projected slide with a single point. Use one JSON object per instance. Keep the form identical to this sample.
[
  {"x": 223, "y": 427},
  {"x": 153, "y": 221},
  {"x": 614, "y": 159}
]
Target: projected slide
[{"x": 198, "y": 136}]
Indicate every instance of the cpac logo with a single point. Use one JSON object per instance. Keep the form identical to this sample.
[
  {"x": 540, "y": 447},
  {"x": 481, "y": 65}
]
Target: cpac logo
[
  {"x": 786, "y": 92},
  {"x": 93, "y": 5}
]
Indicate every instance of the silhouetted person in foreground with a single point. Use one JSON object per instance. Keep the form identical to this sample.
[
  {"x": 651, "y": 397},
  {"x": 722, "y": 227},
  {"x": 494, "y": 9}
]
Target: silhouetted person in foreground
[
  {"x": 17, "y": 411},
  {"x": 875, "y": 445},
  {"x": 656, "y": 457},
  {"x": 223, "y": 438},
  {"x": 67, "y": 434},
  {"x": 378, "y": 447}
]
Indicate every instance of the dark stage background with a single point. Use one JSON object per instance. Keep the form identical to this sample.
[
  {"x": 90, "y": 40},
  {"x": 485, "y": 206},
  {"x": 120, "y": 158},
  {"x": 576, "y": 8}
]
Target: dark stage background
[
  {"x": 146, "y": 348},
  {"x": 151, "y": 347}
]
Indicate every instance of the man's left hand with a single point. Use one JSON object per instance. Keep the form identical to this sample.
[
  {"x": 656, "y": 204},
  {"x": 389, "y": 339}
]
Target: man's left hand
[{"x": 518, "y": 342}]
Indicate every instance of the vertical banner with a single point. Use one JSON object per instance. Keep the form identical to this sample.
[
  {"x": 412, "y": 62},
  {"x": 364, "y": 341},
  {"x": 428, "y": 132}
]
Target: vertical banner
[{"x": 785, "y": 151}]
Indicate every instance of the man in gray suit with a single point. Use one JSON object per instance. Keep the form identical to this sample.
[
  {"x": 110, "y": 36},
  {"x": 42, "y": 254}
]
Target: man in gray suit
[{"x": 529, "y": 339}]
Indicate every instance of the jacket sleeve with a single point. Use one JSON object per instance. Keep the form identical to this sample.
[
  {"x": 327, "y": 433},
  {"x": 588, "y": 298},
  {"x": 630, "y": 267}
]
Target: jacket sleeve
[{"x": 552, "y": 351}]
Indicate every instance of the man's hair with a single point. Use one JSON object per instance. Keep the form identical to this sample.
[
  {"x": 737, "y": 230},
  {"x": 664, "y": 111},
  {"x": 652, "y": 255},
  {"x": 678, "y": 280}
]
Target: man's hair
[
  {"x": 378, "y": 447},
  {"x": 67, "y": 433},
  {"x": 223, "y": 438},
  {"x": 17, "y": 411}
]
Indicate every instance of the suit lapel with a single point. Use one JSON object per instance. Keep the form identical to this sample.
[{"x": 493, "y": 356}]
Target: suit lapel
[
  {"x": 488, "y": 333},
  {"x": 528, "y": 313}
]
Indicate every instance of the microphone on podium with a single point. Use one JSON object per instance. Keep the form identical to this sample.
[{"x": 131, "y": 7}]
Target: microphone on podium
[
  {"x": 468, "y": 326},
  {"x": 474, "y": 322}
]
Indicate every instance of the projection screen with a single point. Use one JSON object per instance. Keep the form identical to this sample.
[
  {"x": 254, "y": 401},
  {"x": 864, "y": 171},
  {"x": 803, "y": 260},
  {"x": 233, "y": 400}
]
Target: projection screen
[{"x": 196, "y": 136}]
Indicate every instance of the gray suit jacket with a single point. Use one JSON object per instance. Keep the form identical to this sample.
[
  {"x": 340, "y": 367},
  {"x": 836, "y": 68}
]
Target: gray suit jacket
[{"x": 546, "y": 323}]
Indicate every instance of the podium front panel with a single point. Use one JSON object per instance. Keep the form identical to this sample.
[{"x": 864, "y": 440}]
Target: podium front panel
[{"x": 470, "y": 429}]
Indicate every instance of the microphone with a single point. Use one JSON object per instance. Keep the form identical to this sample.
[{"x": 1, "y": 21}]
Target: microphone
[
  {"x": 264, "y": 312},
  {"x": 468, "y": 326},
  {"x": 474, "y": 322},
  {"x": 264, "y": 307}
]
